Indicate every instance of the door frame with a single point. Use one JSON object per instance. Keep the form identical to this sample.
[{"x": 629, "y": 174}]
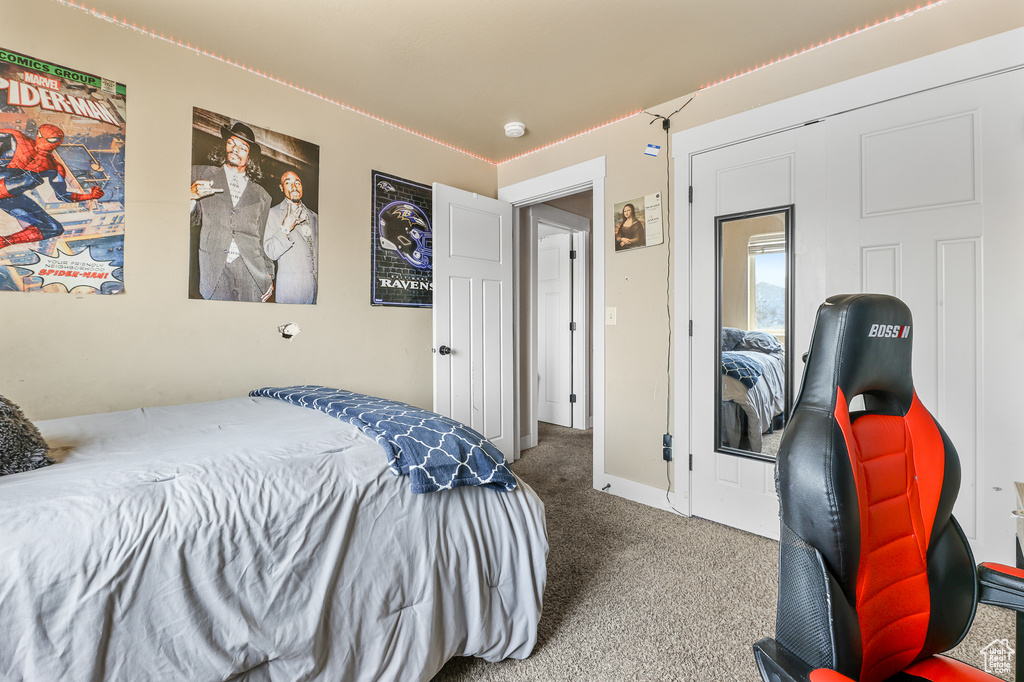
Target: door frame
[
  {"x": 581, "y": 418},
  {"x": 978, "y": 59},
  {"x": 570, "y": 180}
]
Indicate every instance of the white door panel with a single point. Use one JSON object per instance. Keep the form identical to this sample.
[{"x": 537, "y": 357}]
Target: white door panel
[
  {"x": 472, "y": 260},
  {"x": 908, "y": 188},
  {"x": 1002, "y": 170},
  {"x": 554, "y": 338},
  {"x": 759, "y": 174},
  {"x": 917, "y": 197},
  {"x": 904, "y": 177}
]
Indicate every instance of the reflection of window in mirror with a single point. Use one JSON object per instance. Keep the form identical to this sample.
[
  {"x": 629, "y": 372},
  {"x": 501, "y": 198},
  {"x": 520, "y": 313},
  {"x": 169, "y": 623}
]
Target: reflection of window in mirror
[
  {"x": 753, "y": 250},
  {"x": 766, "y": 302}
]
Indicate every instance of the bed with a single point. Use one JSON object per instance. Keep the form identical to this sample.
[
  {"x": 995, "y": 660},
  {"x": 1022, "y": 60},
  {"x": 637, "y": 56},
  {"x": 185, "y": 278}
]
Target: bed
[
  {"x": 256, "y": 539},
  {"x": 753, "y": 387}
]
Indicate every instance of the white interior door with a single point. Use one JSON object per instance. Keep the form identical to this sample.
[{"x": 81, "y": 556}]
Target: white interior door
[
  {"x": 473, "y": 280},
  {"x": 554, "y": 329},
  {"x": 921, "y": 194},
  {"x": 777, "y": 170}
]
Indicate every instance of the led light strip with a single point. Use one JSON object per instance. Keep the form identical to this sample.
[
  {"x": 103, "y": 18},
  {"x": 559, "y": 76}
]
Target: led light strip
[
  {"x": 823, "y": 43},
  {"x": 330, "y": 100}
]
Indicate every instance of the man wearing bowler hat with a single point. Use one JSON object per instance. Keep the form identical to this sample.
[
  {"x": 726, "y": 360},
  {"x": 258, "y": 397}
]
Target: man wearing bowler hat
[{"x": 229, "y": 210}]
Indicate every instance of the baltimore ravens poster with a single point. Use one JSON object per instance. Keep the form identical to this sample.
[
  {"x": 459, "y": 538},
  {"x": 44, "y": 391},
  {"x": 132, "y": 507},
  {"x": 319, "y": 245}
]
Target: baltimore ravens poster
[
  {"x": 62, "y": 137},
  {"x": 401, "y": 234}
]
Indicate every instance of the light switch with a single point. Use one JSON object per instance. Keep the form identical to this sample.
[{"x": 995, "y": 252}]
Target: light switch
[{"x": 610, "y": 316}]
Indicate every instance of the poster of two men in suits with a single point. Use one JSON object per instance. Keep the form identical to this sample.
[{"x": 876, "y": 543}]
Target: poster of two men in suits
[{"x": 253, "y": 210}]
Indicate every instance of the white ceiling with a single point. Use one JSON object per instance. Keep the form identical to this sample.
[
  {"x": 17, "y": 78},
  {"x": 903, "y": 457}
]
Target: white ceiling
[{"x": 459, "y": 70}]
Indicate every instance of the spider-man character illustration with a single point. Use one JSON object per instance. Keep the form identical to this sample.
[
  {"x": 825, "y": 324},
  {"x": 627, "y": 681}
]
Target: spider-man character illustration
[{"x": 24, "y": 164}]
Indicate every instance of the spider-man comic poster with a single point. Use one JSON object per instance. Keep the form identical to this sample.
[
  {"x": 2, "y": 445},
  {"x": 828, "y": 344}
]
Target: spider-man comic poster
[
  {"x": 401, "y": 240},
  {"x": 61, "y": 179}
]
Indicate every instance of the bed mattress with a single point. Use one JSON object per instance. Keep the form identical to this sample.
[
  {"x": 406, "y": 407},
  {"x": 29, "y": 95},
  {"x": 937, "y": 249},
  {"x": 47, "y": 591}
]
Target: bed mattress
[{"x": 253, "y": 539}]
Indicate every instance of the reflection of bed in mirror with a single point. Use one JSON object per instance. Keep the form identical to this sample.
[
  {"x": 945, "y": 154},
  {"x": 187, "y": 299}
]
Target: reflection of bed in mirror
[{"x": 753, "y": 388}]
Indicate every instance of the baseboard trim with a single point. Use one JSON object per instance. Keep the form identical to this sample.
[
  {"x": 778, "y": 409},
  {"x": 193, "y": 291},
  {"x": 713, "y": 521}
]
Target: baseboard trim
[{"x": 644, "y": 494}]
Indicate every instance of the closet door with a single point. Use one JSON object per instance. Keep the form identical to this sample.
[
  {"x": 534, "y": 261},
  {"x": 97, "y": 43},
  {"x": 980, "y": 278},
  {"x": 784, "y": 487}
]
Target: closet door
[
  {"x": 919, "y": 197},
  {"x": 924, "y": 204},
  {"x": 778, "y": 170}
]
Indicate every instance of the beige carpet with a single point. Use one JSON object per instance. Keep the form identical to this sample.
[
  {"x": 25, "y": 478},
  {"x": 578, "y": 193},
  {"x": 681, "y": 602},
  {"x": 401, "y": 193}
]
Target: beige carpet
[{"x": 636, "y": 593}]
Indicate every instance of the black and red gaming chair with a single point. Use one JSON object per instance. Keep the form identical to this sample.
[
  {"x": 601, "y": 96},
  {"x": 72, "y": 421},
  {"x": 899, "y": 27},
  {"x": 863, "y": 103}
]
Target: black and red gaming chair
[{"x": 875, "y": 575}]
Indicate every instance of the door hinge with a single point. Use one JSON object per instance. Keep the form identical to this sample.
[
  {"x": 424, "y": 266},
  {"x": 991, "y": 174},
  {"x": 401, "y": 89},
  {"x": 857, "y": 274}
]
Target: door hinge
[
  {"x": 572, "y": 326},
  {"x": 691, "y": 461},
  {"x": 691, "y": 327},
  {"x": 572, "y": 397},
  {"x": 691, "y": 194},
  {"x": 572, "y": 254}
]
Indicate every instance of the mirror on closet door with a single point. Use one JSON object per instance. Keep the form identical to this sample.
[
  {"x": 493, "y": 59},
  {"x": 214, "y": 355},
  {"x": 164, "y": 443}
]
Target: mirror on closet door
[{"x": 755, "y": 294}]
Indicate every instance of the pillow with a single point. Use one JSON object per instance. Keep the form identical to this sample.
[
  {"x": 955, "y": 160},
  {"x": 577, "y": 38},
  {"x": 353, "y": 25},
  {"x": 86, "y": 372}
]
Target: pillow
[
  {"x": 762, "y": 341},
  {"x": 731, "y": 337},
  {"x": 22, "y": 447}
]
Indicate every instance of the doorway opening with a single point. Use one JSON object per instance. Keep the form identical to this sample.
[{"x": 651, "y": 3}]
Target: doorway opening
[
  {"x": 581, "y": 177},
  {"x": 556, "y": 315}
]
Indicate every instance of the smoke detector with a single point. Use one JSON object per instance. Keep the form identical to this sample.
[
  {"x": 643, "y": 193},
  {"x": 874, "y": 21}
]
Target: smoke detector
[{"x": 515, "y": 129}]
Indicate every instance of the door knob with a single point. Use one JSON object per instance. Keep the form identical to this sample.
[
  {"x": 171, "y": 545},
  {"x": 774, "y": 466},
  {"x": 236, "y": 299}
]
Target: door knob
[{"x": 444, "y": 350}]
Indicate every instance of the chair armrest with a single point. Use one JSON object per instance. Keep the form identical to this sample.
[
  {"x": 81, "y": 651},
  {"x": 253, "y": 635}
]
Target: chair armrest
[
  {"x": 776, "y": 663},
  {"x": 1001, "y": 585}
]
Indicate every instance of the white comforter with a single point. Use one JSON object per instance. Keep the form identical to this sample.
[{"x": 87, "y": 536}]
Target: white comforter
[{"x": 253, "y": 539}]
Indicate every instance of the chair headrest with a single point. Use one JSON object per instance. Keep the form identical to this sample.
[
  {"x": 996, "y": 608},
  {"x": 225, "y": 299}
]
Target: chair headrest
[{"x": 862, "y": 344}]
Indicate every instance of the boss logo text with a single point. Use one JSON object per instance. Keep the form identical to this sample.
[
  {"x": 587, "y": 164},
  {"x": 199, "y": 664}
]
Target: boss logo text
[{"x": 890, "y": 331}]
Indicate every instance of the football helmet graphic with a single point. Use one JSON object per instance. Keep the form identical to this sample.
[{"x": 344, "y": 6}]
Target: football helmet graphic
[{"x": 405, "y": 229}]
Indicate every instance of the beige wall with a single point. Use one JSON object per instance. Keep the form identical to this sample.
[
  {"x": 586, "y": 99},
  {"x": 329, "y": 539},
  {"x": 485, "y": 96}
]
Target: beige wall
[
  {"x": 635, "y": 374},
  {"x": 154, "y": 346}
]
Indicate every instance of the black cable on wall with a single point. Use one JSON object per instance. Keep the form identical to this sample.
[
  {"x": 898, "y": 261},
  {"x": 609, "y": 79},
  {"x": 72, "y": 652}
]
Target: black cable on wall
[{"x": 666, "y": 124}]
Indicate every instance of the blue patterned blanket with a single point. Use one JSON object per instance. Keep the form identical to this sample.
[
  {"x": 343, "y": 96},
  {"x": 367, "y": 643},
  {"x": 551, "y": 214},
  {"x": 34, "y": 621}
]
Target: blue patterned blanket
[
  {"x": 745, "y": 366},
  {"x": 435, "y": 452}
]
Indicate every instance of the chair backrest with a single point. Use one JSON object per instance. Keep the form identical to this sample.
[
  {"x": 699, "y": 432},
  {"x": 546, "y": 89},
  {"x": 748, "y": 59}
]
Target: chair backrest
[{"x": 874, "y": 571}]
